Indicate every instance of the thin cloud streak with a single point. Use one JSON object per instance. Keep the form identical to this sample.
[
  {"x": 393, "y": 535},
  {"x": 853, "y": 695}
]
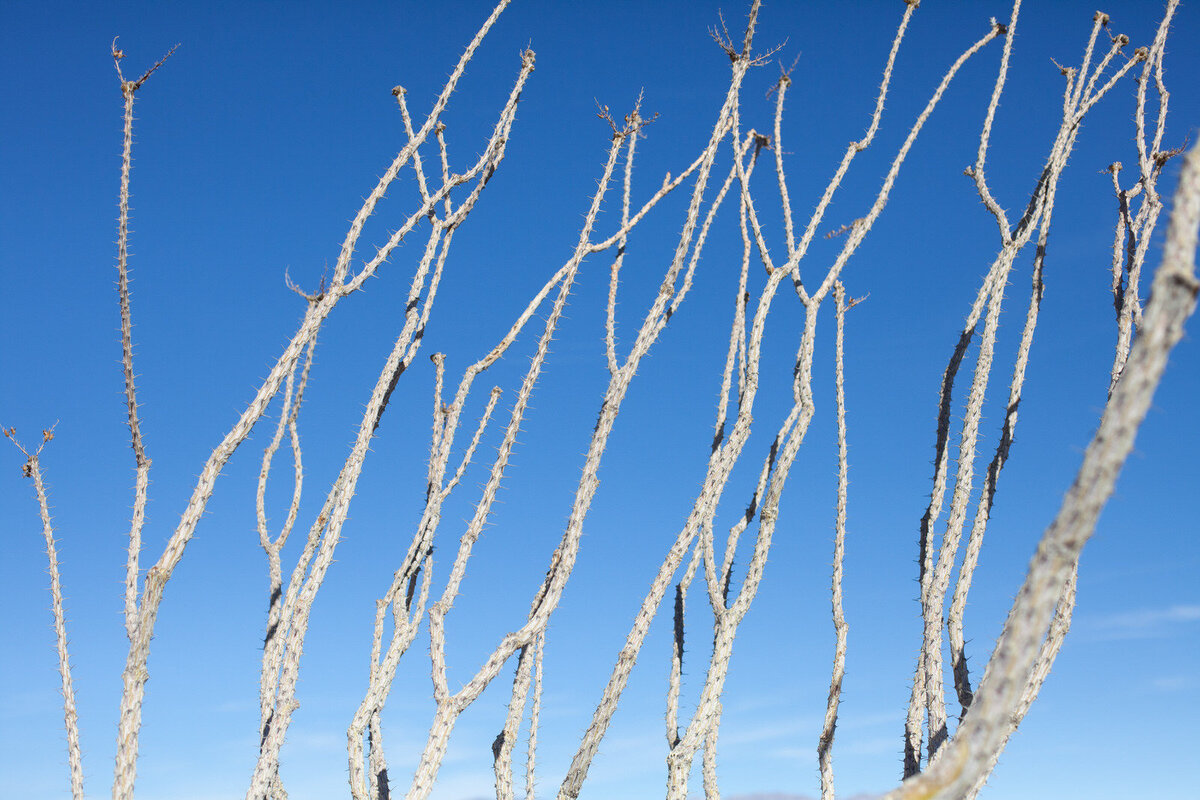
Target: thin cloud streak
[{"x": 1144, "y": 623}]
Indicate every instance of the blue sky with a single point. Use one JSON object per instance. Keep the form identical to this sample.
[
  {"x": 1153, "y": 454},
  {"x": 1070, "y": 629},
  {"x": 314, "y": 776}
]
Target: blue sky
[{"x": 254, "y": 147}]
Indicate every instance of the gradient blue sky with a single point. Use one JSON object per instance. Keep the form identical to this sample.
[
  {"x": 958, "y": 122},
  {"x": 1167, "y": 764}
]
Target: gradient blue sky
[{"x": 255, "y": 145}]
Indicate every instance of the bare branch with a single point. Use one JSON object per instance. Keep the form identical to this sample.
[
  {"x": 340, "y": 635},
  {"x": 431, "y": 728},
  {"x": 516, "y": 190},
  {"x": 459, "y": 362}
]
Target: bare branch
[{"x": 33, "y": 469}]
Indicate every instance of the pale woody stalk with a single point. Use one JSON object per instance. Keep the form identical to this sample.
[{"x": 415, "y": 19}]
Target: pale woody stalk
[
  {"x": 406, "y": 619},
  {"x": 535, "y": 713},
  {"x": 399, "y": 599},
  {"x": 954, "y": 620},
  {"x": 1173, "y": 299},
  {"x": 1132, "y": 239},
  {"x": 33, "y": 469},
  {"x": 841, "y": 629},
  {"x": 793, "y": 429},
  {"x": 133, "y": 680},
  {"x": 610, "y": 329},
  {"x": 326, "y": 531},
  {"x": 293, "y": 395},
  {"x": 451, "y": 706},
  {"x": 705, "y": 720},
  {"x": 654, "y": 322},
  {"x": 927, "y": 697},
  {"x": 141, "y": 611},
  {"x": 1130, "y": 313}
]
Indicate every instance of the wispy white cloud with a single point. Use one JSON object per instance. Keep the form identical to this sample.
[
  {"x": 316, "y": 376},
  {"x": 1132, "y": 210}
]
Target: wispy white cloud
[
  {"x": 1144, "y": 622},
  {"x": 785, "y": 731},
  {"x": 235, "y": 706},
  {"x": 1141, "y": 624},
  {"x": 842, "y": 745},
  {"x": 791, "y": 737},
  {"x": 875, "y": 746},
  {"x": 873, "y": 720},
  {"x": 1173, "y": 683},
  {"x": 311, "y": 741},
  {"x": 1154, "y": 616},
  {"x": 790, "y": 752},
  {"x": 771, "y": 700},
  {"x": 635, "y": 743}
]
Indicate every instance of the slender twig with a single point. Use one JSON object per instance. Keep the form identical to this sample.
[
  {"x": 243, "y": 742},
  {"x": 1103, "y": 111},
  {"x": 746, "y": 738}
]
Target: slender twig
[
  {"x": 841, "y": 629},
  {"x": 325, "y": 533},
  {"x": 33, "y": 469},
  {"x": 927, "y": 693},
  {"x": 125, "y": 770}
]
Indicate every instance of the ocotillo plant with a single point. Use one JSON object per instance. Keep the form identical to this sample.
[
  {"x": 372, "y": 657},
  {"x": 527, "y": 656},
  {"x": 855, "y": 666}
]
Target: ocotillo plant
[{"x": 789, "y": 275}]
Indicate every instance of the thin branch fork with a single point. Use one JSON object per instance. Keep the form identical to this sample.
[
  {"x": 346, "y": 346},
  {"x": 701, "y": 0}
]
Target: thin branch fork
[
  {"x": 32, "y": 468},
  {"x": 1081, "y": 95},
  {"x": 1173, "y": 300}
]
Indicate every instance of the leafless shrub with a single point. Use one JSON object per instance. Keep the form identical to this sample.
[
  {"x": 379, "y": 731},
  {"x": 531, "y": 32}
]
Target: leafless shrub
[{"x": 938, "y": 763}]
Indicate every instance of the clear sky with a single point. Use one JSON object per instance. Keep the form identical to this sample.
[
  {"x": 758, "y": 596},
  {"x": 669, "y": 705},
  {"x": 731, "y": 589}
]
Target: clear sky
[{"x": 254, "y": 146}]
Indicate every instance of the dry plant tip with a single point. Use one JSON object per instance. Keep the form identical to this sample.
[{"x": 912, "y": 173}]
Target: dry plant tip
[
  {"x": 129, "y": 87},
  {"x": 785, "y": 77},
  {"x": 317, "y": 297},
  {"x": 723, "y": 39},
  {"x": 47, "y": 435},
  {"x": 606, "y": 115},
  {"x": 1163, "y": 156},
  {"x": 853, "y": 301},
  {"x": 844, "y": 229},
  {"x": 1100, "y": 17},
  {"x": 765, "y": 58}
]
